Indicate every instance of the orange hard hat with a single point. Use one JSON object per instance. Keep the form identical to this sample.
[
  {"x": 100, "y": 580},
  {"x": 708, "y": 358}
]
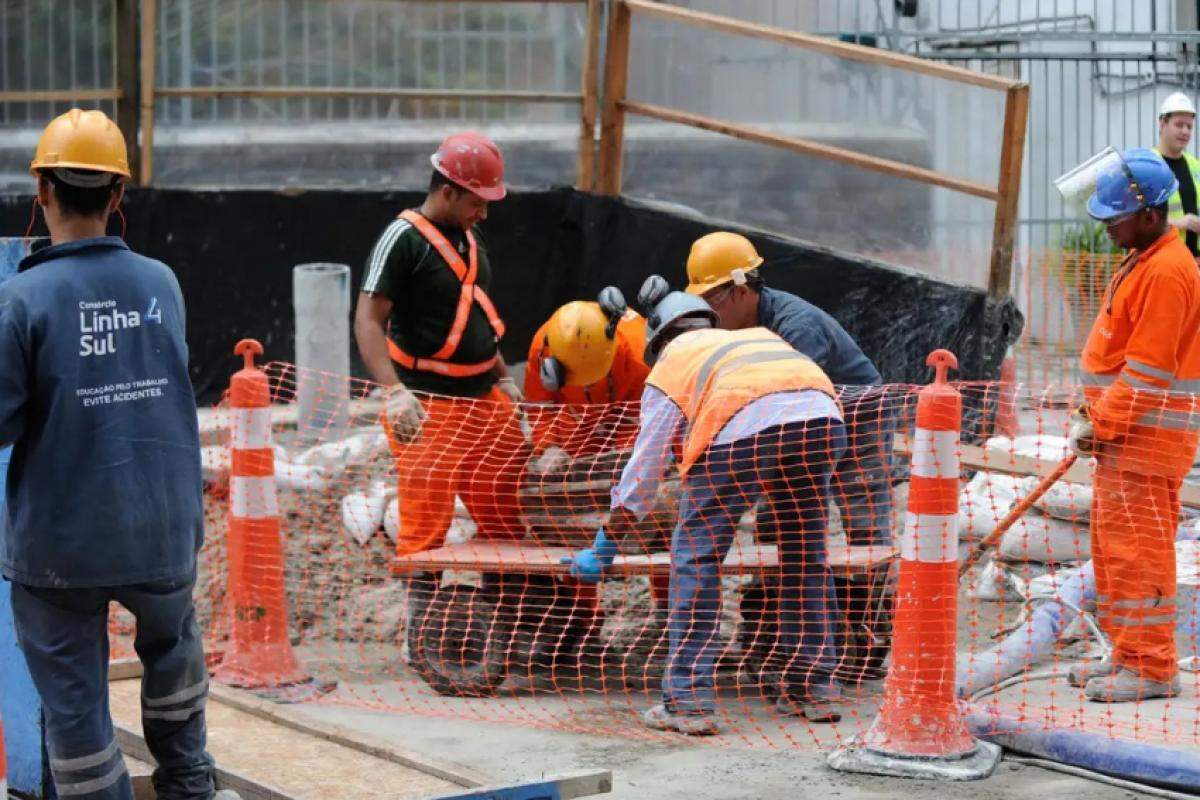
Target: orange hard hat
[
  {"x": 473, "y": 161},
  {"x": 86, "y": 140}
]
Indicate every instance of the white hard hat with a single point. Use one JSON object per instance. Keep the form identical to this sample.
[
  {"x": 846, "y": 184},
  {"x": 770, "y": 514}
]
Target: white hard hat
[{"x": 1177, "y": 103}]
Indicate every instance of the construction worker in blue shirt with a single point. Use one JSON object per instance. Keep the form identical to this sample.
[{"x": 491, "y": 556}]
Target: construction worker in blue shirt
[
  {"x": 103, "y": 499},
  {"x": 722, "y": 268},
  {"x": 745, "y": 417}
]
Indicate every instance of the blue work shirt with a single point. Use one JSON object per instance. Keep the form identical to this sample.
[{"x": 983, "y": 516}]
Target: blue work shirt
[
  {"x": 817, "y": 335},
  {"x": 104, "y": 485}
]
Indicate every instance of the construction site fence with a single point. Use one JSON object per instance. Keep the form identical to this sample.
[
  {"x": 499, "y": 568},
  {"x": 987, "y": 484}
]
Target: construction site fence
[{"x": 453, "y": 601}]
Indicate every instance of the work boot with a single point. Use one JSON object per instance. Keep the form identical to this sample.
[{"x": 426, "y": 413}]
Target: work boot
[
  {"x": 1127, "y": 686},
  {"x": 693, "y": 723},
  {"x": 817, "y": 703},
  {"x": 1079, "y": 674}
]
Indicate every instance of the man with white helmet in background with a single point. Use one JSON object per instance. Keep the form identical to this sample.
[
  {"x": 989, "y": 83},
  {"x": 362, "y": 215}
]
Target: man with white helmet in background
[
  {"x": 104, "y": 494},
  {"x": 1176, "y": 121},
  {"x": 1140, "y": 370},
  {"x": 745, "y": 416}
]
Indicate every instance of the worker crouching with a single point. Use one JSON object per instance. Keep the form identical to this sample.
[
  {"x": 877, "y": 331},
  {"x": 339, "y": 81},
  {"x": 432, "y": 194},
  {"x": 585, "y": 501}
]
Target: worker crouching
[{"x": 745, "y": 417}]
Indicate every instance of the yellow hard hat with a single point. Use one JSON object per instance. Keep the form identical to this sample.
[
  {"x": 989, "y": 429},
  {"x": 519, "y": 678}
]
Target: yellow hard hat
[
  {"x": 82, "y": 140},
  {"x": 716, "y": 258},
  {"x": 578, "y": 339}
]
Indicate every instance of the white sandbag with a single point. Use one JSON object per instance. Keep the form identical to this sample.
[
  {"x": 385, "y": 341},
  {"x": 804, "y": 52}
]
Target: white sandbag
[
  {"x": 391, "y": 519},
  {"x": 362, "y": 514},
  {"x": 1036, "y": 537},
  {"x": 1066, "y": 501},
  {"x": 984, "y": 501},
  {"x": 351, "y": 450},
  {"x": 991, "y": 585},
  {"x": 299, "y": 477}
]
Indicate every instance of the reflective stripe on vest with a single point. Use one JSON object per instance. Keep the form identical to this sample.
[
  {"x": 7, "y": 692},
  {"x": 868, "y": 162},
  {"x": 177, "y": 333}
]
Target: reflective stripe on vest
[{"x": 471, "y": 293}]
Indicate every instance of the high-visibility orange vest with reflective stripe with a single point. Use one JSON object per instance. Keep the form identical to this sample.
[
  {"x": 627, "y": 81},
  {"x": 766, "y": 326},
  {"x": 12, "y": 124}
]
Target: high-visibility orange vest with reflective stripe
[
  {"x": 1141, "y": 364},
  {"x": 711, "y": 375},
  {"x": 471, "y": 294}
]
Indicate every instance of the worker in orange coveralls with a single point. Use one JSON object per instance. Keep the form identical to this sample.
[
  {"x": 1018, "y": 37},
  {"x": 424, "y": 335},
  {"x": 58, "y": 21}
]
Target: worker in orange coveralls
[
  {"x": 424, "y": 323},
  {"x": 1140, "y": 370},
  {"x": 587, "y": 365}
]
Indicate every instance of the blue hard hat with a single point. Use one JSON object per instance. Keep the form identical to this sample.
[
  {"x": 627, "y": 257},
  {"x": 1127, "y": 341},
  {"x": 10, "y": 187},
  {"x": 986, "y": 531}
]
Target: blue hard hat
[{"x": 1139, "y": 179}]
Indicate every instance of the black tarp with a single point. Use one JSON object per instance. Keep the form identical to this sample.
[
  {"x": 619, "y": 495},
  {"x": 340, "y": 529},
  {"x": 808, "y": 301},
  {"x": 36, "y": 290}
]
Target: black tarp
[{"x": 234, "y": 251}]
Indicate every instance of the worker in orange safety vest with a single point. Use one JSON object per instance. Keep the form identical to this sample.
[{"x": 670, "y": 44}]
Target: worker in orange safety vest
[
  {"x": 1140, "y": 370},
  {"x": 424, "y": 323}
]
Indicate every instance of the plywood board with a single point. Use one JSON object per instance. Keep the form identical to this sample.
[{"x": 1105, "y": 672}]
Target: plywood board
[{"x": 295, "y": 763}]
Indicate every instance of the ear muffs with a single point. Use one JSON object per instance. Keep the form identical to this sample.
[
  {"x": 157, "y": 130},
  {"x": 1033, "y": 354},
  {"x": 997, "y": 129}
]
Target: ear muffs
[
  {"x": 613, "y": 304},
  {"x": 552, "y": 373}
]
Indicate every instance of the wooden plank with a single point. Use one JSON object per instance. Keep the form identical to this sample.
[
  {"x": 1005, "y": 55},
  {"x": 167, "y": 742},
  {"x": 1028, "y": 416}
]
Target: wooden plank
[
  {"x": 59, "y": 95},
  {"x": 125, "y": 53},
  {"x": 124, "y": 669},
  {"x": 1012, "y": 158},
  {"x": 149, "y": 55},
  {"x": 820, "y": 44},
  {"x": 335, "y": 92},
  {"x": 276, "y": 761},
  {"x": 570, "y": 787},
  {"x": 585, "y": 169},
  {"x": 502, "y": 557},
  {"x": 808, "y": 147},
  {"x": 458, "y": 774},
  {"x": 1008, "y": 463},
  {"x": 616, "y": 81}
]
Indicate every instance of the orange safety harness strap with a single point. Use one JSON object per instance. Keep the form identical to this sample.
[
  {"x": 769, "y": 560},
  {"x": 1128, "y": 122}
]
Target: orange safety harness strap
[{"x": 471, "y": 293}]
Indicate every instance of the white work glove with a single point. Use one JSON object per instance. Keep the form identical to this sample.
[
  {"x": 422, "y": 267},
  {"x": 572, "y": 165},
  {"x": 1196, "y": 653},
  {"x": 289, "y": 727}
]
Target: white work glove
[
  {"x": 552, "y": 461},
  {"x": 510, "y": 388},
  {"x": 1082, "y": 438},
  {"x": 405, "y": 415}
]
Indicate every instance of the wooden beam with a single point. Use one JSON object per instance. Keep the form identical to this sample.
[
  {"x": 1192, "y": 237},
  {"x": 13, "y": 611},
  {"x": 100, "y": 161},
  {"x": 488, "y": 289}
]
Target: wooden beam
[
  {"x": 125, "y": 54},
  {"x": 332, "y": 92},
  {"x": 149, "y": 55},
  {"x": 820, "y": 44},
  {"x": 1008, "y": 463},
  {"x": 811, "y": 148},
  {"x": 1012, "y": 159},
  {"x": 585, "y": 172},
  {"x": 60, "y": 95},
  {"x": 616, "y": 80}
]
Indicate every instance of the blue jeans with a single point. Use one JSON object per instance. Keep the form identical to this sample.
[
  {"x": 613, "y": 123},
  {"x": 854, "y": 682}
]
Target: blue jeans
[
  {"x": 789, "y": 466},
  {"x": 64, "y": 636}
]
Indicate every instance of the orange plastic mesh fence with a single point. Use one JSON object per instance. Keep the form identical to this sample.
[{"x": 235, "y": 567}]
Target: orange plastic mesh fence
[{"x": 453, "y": 600}]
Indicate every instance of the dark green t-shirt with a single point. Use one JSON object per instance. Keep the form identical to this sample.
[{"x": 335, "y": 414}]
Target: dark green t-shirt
[{"x": 406, "y": 269}]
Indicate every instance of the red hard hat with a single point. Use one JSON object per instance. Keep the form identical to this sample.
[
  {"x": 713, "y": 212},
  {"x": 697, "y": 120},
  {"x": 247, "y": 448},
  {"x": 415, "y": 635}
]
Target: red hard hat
[{"x": 472, "y": 161}]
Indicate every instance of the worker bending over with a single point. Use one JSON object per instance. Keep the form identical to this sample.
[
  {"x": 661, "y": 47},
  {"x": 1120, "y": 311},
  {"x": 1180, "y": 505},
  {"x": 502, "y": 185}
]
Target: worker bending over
[
  {"x": 425, "y": 323},
  {"x": 1140, "y": 370},
  {"x": 585, "y": 364},
  {"x": 722, "y": 268},
  {"x": 745, "y": 416},
  {"x": 103, "y": 499}
]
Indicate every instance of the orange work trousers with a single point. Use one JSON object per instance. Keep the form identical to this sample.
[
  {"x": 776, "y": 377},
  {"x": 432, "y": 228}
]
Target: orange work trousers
[
  {"x": 1134, "y": 517},
  {"x": 473, "y": 448}
]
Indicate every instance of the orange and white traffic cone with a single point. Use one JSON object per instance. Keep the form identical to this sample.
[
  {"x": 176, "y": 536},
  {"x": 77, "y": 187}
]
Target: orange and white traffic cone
[
  {"x": 920, "y": 732},
  {"x": 260, "y": 653}
]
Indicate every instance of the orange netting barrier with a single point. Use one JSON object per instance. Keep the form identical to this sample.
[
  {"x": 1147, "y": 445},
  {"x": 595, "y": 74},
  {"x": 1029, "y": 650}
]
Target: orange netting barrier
[{"x": 427, "y": 576}]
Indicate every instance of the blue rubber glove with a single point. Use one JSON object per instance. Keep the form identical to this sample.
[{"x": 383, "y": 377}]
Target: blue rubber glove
[{"x": 589, "y": 565}]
